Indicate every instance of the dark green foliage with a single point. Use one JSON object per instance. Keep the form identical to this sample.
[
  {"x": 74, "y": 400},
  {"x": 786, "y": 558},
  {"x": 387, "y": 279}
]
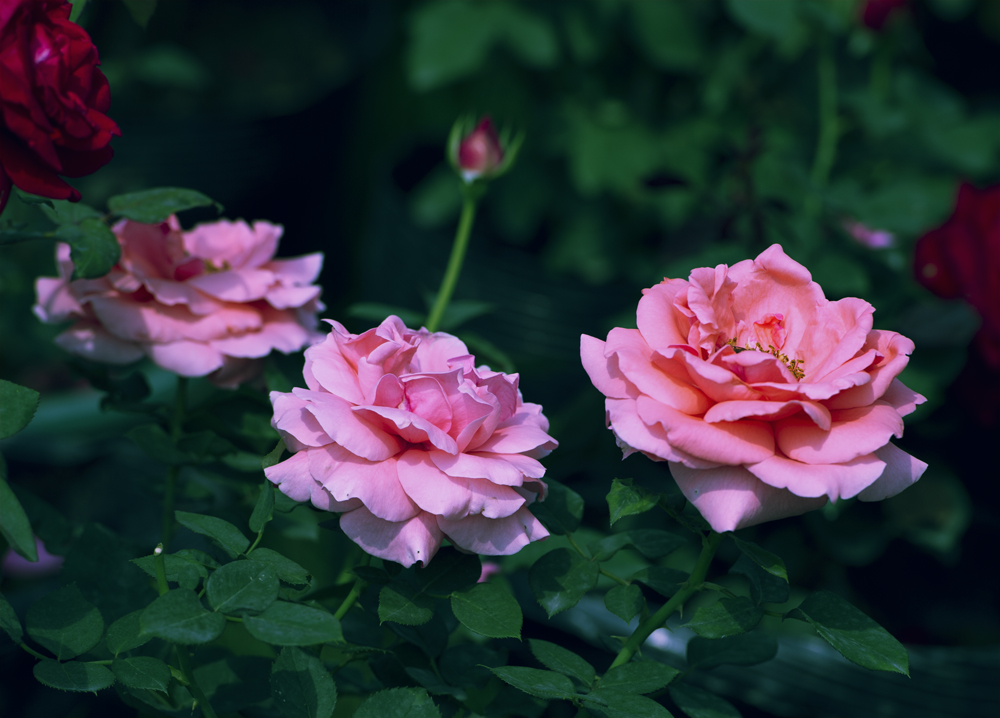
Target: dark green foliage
[
  {"x": 65, "y": 623},
  {"x": 559, "y": 579},
  {"x": 292, "y": 624},
  {"x": 73, "y": 676},
  {"x": 561, "y": 511},
  {"x": 17, "y": 406},
  {"x": 639, "y": 677},
  {"x": 399, "y": 703},
  {"x": 626, "y": 602},
  {"x": 626, "y": 499},
  {"x": 699, "y": 703},
  {"x": 744, "y": 650},
  {"x": 489, "y": 610},
  {"x": 726, "y": 617},
  {"x": 155, "y": 205},
  {"x": 142, "y": 672},
  {"x": 178, "y": 616},
  {"x": 563, "y": 661},
  {"x": 301, "y": 686}
]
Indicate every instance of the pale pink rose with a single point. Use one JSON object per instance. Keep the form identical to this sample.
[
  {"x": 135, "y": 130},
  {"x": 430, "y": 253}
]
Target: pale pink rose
[
  {"x": 402, "y": 434},
  {"x": 211, "y": 301},
  {"x": 868, "y": 237},
  {"x": 16, "y": 566},
  {"x": 751, "y": 436}
]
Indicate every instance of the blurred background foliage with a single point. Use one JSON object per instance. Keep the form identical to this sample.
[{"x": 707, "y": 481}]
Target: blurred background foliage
[{"x": 661, "y": 136}]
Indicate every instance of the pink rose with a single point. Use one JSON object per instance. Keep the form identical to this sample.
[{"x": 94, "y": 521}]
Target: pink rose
[
  {"x": 208, "y": 301},
  {"x": 480, "y": 151},
  {"x": 765, "y": 398},
  {"x": 400, "y": 432}
]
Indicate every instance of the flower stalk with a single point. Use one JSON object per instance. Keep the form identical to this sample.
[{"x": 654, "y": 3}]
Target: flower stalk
[
  {"x": 471, "y": 195},
  {"x": 170, "y": 486}
]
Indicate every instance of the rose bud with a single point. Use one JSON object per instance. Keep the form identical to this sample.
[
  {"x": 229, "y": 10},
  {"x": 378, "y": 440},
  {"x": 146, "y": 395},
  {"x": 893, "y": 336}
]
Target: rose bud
[
  {"x": 480, "y": 153},
  {"x": 211, "y": 301},
  {"x": 53, "y": 101},
  {"x": 961, "y": 258},
  {"x": 401, "y": 433},
  {"x": 765, "y": 398}
]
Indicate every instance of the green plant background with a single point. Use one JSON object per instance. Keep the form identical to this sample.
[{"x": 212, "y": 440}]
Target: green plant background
[{"x": 661, "y": 136}]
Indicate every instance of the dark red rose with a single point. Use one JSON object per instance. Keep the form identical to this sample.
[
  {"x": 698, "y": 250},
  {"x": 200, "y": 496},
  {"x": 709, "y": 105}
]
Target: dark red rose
[
  {"x": 52, "y": 101},
  {"x": 961, "y": 258},
  {"x": 480, "y": 151},
  {"x": 875, "y": 13}
]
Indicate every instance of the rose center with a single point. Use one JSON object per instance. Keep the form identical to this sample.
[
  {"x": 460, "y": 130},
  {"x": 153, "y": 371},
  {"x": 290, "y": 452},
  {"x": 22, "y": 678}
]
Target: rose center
[{"x": 768, "y": 336}]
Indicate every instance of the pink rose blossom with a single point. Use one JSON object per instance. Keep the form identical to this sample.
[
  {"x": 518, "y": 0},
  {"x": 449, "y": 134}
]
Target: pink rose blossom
[
  {"x": 400, "y": 432},
  {"x": 765, "y": 398},
  {"x": 210, "y": 301}
]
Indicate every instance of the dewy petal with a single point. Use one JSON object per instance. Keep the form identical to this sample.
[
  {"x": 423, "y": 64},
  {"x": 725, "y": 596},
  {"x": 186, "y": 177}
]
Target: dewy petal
[
  {"x": 291, "y": 417},
  {"x": 479, "y": 466},
  {"x": 650, "y": 439},
  {"x": 731, "y": 498},
  {"x": 494, "y": 537},
  {"x": 853, "y": 433},
  {"x": 603, "y": 370},
  {"x": 292, "y": 476},
  {"x": 836, "y": 481},
  {"x": 730, "y": 442},
  {"x": 771, "y": 410},
  {"x": 635, "y": 361},
  {"x": 375, "y": 483},
  {"x": 345, "y": 427},
  {"x": 660, "y": 324},
  {"x": 405, "y": 542},
  {"x": 901, "y": 471}
]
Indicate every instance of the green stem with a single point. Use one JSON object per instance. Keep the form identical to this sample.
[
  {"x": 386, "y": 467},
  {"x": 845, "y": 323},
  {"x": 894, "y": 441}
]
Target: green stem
[
  {"x": 100, "y": 663},
  {"x": 234, "y": 619},
  {"x": 691, "y": 587},
  {"x": 829, "y": 129},
  {"x": 617, "y": 579},
  {"x": 170, "y": 487},
  {"x": 576, "y": 546},
  {"x": 185, "y": 662},
  {"x": 260, "y": 535},
  {"x": 458, "y": 248},
  {"x": 31, "y": 650},
  {"x": 161, "y": 570},
  {"x": 349, "y": 600}
]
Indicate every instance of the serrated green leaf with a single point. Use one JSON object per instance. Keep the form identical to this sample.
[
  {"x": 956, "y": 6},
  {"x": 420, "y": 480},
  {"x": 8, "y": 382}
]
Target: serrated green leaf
[
  {"x": 699, "y": 703},
  {"x": 63, "y": 211},
  {"x": 73, "y": 676},
  {"x": 763, "y": 558},
  {"x": 450, "y": 571},
  {"x": 665, "y": 581},
  {"x": 651, "y": 543},
  {"x": 178, "y": 569},
  {"x": 489, "y": 610},
  {"x": 563, "y": 661},
  {"x": 559, "y": 579},
  {"x": 626, "y": 602},
  {"x": 178, "y": 616},
  {"x": 263, "y": 510},
  {"x": 614, "y": 703},
  {"x": 14, "y": 524},
  {"x": 434, "y": 685},
  {"x": 292, "y": 624},
  {"x": 857, "y": 637},
  {"x": 65, "y": 623},
  {"x": 242, "y": 586},
  {"x": 288, "y": 571},
  {"x": 562, "y": 510},
  {"x": 536, "y": 682},
  {"x": 748, "y": 649},
  {"x": 223, "y": 533},
  {"x": 17, "y": 407},
  {"x": 9, "y": 621},
  {"x": 726, "y": 617},
  {"x": 301, "y": 687},
  {"x": 155, "y": 205},
  {"x": 398, "y": 703},
  {"x": 94, "y": 248},
  {"x": 142, "y": 672},
  {"x": 402, "y": 603},
  {"x": 126, "y": 633},
  {"x": 764, "y": 587},
  {"x": 639, "y": 677},
  {"x": 626, "y": 499}
]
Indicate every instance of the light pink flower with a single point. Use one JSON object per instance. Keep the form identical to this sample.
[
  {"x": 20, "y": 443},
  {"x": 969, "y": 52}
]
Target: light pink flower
[
  {"x": 210, "y": 301},
  {"x": 868, "y": 237},
  {"x": 400, "y": 432},
  {"x": 16, "y": 566},
  {"x": 751, "y": 436}
]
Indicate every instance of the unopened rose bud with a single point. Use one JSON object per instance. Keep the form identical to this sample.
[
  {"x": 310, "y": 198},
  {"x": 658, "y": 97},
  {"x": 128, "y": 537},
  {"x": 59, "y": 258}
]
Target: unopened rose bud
[{"x": 479, "y": 151}]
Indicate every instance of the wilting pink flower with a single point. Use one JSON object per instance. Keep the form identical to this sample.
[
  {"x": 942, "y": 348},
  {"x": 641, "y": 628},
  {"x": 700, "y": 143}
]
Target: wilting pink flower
[
  {"x": 53, "y": 101},
  {"x": 211, "y": 301},
  {"x": 961, "y": 258},
  {"x": 403, "y": 434},
  {"x": 868, "y": 237},
  {"x": 480, "y": 151},
  {"x": 17, "y": 566},
  {"x": 765, "y": 398}
]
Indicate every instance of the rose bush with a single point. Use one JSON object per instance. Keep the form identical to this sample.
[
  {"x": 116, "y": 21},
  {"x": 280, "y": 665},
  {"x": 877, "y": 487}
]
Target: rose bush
[
  {"x": 205, "y": 302},
  {"x": 53, "y": 101},
  {"x": 765, "y": 398},
  {"x": 398, "y": 430}
]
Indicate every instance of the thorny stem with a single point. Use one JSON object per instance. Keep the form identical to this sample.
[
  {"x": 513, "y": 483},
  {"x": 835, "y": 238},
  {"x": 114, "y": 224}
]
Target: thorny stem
[
  {"x": 458, "y": 248},
  {"x": 691, "y": 587}
]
